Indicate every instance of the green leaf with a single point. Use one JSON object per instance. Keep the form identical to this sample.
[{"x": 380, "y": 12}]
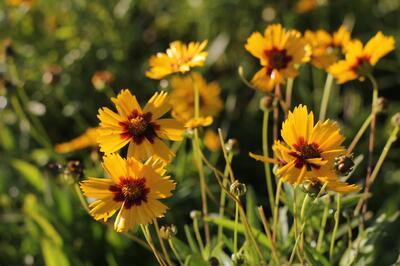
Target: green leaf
[
  {"x": 314, "y": 257},
  {"x": 53, "y": 254},
  {"x": 30, "y": 172},
  {"x": 251, "y": 208}
]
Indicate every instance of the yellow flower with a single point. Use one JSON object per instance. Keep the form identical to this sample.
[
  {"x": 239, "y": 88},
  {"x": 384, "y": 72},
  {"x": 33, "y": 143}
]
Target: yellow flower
[
  {"x": 327, "y": 48},
  {"x": 199, "y": 122},
  {"x": 308, "y": 151},
  {"x": 87, "y": 139},
  {"x": 142, "y": 129},
  {"x": 304, "y": 6},
  {"x": 182, "y": 97},
  {"x": 279, "y": 51},
  {"x": 360, "y": 59},
  {"x": 179, "y": 58},
  {"x": 211, "y": 140},
  {"x": 133, "y": 188}
]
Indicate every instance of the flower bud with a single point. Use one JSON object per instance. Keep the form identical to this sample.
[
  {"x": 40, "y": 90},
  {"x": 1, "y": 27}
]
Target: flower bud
[
  {"x": 238, "y": 189},
  {"x": 166, "y": 232},
  {"x": 311, "y": 187},
  {"x": 396, "y": 120},
  {"x": 343, "y": 164},
  {"x": 267, "y": 103},
  {"x": 381, "y": 105},
  {"x": 232, "y": 145},
  {"x": 195, "y": 214}
]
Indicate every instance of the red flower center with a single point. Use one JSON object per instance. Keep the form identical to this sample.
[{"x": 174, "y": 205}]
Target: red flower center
[
  {"x": 131, "y": 191},
  {"x": 305, "y": 151},
  {"x": 277, "y": 59},
  {"x": 362, "y": 66},
  {"x": 139, "y": 126}
]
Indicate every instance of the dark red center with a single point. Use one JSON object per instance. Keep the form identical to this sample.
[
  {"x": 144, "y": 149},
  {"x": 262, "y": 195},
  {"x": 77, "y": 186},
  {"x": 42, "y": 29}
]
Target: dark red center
[
  {"x": 139, "y": 126},
  {"x": 131, "y": 191},
  {"x": 305, "y": 151},
  {"x": 277, "y": 59},
  {"x": 362, "y": 65}
]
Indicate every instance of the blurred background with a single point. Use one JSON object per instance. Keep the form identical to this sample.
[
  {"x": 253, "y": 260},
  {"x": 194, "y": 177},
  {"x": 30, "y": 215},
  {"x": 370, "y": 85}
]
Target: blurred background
[{"x": 53, "y": 48}]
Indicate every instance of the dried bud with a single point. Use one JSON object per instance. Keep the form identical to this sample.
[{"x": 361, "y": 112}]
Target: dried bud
[
  {"x": 74, "y": 168},
  {"x": 238, "y": 259},
  {"x": 213, "y": 261},
  {"x": 267, "y": 103},
  {"x": 311, "y": 187},
  {"x": 396, "y": 120},
  {"x": 238, "y": 189},
  {"x": 195, "y": 214},
  {"x": 232, "y": 145},
  {"x": 382, "y": 104},
  {"x": 166, "y": 232},
  {"x": 343, "y": 164}
]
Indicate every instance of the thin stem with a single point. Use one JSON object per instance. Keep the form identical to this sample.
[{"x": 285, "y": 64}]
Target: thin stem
[
  {"x": 268, "y": 232},
  {"x": 149, "y": 240},
  {"x": 296, "y": 223},
  {"x": 224, "y": 151},
  {"x": 222, "y": 199},
  {"x": 197, "y": 234},
  {"x": 302, "y": 215},
  {"x": 276, "y": 210},
  {"x": 335, "y": 228},
  {"x": 325, "y": 97},
  {"x": 267, "y": 167},
  {"x": 81, "y": 198},
  {"x": 235, "y": 229},
  {"x": 323, "y": 224},
  {"x": 276, "y": 110},
  {"x": 199, "y": 164},
  {"x": 164, "y": 250},
  {"x": 245, "y": 81},
  {"x": 176, "y": 253},
  {"x": 289, "y": 93},
  {"x": 359, "y": 134}
]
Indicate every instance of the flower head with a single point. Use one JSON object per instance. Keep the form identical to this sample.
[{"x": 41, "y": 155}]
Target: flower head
[
  {"x": 279, "y": 52},
  {"x": 141, "y": 128},
  {"x": 87, "y": 139},
  {"x": 199, "y": 122},
  {"x": 327, "y": 48},
  {"x": 308, "y": 151},
  {"x": 182, "y": 97},
  {"x": 134, "y": 189},
  {"x": 360, "y": 59},
  {"x": 179, "y": 58}
]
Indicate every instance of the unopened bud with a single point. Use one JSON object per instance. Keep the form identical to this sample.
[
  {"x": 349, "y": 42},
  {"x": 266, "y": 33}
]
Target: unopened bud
[
  {"x": 343, "y": 164},
  {"x": 311, "y": 187},
  {"x": 195, "y": 214},
  {"x": 382, "y": 104},
  {"x": 238, "y": 259},
  {"x": 238, "y": 189},
  {"x": 166, "y": 232},
  {"x": 232, "y": 145},
  {"x": 396, "y": 120},
  {"x": 267, "y": 103},
  {"x": 213, "y": 261}
]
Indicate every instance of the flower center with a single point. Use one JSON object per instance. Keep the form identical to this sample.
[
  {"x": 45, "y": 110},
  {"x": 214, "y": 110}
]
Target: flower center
[
  {"x": 363, "y": 66},
  {"x": 131, "y": 191},
  {"x": 277, "y": 59},
  {"x": 305, "y": 151},
  {"x": 139, "y": 126}
]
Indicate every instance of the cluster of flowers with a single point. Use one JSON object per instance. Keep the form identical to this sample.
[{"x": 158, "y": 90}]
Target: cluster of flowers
[{"x": 307, "y": 153}]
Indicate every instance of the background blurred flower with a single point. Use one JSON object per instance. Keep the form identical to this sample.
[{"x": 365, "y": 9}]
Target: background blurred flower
[
  {"x": 211, "y": 140},
  {"x": 101, "y": 79},
  {"x": 87, "y": 139},
  {"x": 179, "y": 58}
]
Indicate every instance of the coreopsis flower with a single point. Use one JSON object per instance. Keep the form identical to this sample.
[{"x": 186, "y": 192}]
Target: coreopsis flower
[
  {"x": 327, "y": 48},
  {"x": 134, "y": 188},
  {"x": 143, "y": 128},
  {"x": 199, "y": 122},
  {"x": 182, "y": 97},
  {"x": 360, "y": 59},
  {"x": 179, "y": 58},
  {"x": 280, "y": 52},
  {"x": 87, "y": 139},
  {"x": 308, "y": 151}
]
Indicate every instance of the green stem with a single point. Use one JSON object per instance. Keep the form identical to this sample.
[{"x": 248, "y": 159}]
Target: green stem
[
  {"x": 149, "y": 240},
  {"x": 197, "y": 234},
  {"x": 289, "y": 93},
  {"x": 335, "y": 228},
  {"x": 235, "y": 229},
  {"x": 325, "y": 97},
  {"x": 267, "y": 167},
  {"x": 359, "y": 134},
  {"x": 164, "y": 250},
  {"x": 276, "y": 210},
  {"x": 81, "y": 198},
  {"x": 267, "y": 230},
  {"x": 302, "y": 215},
  {"x": 323, "y": 224},
  {"x": 296, "y": 223},
  {"x": 222, "y": 199},
  {"x": 176, "y": 253}
]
